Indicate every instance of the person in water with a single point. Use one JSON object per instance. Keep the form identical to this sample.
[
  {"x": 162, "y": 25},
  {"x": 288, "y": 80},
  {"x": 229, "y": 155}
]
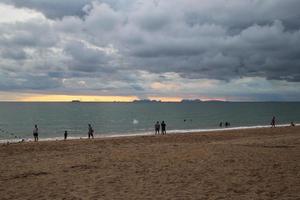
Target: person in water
[
  {"x": 221, "y": 124},
  {"x": 66, "y": 135},
  {"x": 35, "y": 133},
  {"x": 273, "y": 122},
  {"x": 292, "y": 124},
  {"x": 90, "y": 131},
  {"x": 163, "y": 128},
  {"x": 157, "y": 128}
]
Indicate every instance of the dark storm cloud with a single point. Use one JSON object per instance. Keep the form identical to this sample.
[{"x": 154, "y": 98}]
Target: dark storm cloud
[
  {"x": 14, "y": 54},
  {"x": 269, "y": 51},
  {"x": 60, "y": 8},
  {"x": 132, "y": 44},
  {"x": 52, "y": 8},
  {"x": 28, "y": 82},
  {"x": 85, "y": 59}
]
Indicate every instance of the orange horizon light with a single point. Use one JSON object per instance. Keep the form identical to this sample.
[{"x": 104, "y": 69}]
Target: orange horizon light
[{"x": 82, "y": 98}]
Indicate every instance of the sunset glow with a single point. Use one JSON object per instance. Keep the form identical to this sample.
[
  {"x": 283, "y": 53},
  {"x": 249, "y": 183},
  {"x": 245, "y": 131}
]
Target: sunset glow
[
  {"x": 82, "y": 98},
  {"x": 68, "y": 98}
]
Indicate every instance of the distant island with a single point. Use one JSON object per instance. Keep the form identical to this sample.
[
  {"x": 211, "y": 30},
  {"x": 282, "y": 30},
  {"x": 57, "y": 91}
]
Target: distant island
[
  {"x": 146, "y": 101},
  {"x": 199, "y": 101},
  {"x": 75, "y": 101},
  {"x": 182, "y": 101},
  {"x": 191, "y": 101}
]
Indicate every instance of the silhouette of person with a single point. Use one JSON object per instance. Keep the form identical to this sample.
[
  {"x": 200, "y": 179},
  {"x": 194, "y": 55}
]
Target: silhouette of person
[
  {"x": 226, "y": 124},
  {"x": 273, "y": 122},
  {"x": 90, "y": 131},
  {"x": 35, "y": 133},
  {"x": 221, "y": 124},
  {"x": 292, "y": 124},
  {"x": 163, "y": 128},
  {"x": 157, "y": 128},
  {"x": 66, "y": 135}
]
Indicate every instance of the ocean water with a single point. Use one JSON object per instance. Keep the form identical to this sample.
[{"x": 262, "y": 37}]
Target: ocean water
[{"x": 108, "y": 119}]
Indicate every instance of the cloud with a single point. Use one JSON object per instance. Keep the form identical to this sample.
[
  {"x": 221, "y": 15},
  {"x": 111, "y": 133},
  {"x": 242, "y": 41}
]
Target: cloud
[
  {"x": 28, "y": 82},
  {"x": 84, "y": 58},
  {"x": 52, "y": 8},
  {"x": 154, "y": 48}
]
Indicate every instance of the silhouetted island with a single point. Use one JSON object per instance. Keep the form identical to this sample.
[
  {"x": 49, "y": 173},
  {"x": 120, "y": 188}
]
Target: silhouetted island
[
  {"x": 146, "y": 101},
  {"x": 191, "y": 101},
  {"x": 199, "y": 101}
]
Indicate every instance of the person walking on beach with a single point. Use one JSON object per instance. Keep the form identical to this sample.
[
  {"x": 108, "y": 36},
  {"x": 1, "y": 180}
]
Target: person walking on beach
[
  {"x": 35, "y": 133},
  {"x": 66, "y": 135},
  {"x": 273, "y": 122},
  {"x": 157, "y": 128},
  {"x": 163, "y": 128},
  {"x": 91, "y": 131}
]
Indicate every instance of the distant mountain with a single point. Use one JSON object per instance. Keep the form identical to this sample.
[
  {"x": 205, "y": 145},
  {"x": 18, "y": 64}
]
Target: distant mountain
[
  {"x": 198, "y": 101},
  {"x": 191, "y": 101},
  {"x": 146, "y": 101},
  {"x": 217, "y": 101}
]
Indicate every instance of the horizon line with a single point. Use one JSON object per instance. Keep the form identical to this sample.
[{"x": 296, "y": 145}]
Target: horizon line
[{"x": 155, "y": 101}]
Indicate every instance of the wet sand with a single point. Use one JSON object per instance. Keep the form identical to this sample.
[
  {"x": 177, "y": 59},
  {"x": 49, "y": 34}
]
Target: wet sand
[{"x": 240, "y": 164}]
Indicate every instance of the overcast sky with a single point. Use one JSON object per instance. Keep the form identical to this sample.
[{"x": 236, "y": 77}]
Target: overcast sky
[{"x": 240, "y": 50}]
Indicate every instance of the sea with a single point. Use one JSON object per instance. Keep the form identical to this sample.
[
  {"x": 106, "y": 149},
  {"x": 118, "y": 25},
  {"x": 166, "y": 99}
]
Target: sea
[{"x": 17, "y": 119}]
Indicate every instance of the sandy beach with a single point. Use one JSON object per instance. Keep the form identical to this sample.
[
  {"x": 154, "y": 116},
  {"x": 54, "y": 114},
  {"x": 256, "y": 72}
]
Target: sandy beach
[{"x": 240, "y": 164}]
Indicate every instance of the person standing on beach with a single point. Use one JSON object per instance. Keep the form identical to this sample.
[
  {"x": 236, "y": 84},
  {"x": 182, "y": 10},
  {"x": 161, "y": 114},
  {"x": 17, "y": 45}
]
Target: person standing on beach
[
  {"x": 157, "y": 128},
  {"x": 221, "y": 124},
  {"x": 35, "y": 133},
  {"x": 273, "y": 122},
  {"x": 66, "y": 135},
  {"x": 163, "y": 128},
  {"x": 91, "y": 132}
]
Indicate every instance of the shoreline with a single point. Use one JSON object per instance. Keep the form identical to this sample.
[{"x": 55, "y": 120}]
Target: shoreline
[{"x": 132, "y": 135}]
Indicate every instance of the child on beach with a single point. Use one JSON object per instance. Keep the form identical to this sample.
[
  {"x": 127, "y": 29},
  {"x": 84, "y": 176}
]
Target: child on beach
[
  {"x": 36, "y": 133},
  {"x": 91, "y": 131}
]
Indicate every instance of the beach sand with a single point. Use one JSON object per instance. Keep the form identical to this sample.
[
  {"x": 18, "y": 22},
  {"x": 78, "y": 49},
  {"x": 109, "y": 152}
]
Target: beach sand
[{"x": 240, "y": 164}]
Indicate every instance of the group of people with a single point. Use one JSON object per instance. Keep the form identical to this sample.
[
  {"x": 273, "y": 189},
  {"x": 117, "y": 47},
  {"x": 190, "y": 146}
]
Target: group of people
[
  {"x": 273, "y": 123},
  {"x": 36, "y": 133},
  {"x": 226, "y": 124},
  {"x": 160, "y": 128}
]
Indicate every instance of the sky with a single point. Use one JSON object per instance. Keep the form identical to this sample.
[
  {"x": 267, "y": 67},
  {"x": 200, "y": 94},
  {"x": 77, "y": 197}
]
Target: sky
[{"x": 121, "y": 50}]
